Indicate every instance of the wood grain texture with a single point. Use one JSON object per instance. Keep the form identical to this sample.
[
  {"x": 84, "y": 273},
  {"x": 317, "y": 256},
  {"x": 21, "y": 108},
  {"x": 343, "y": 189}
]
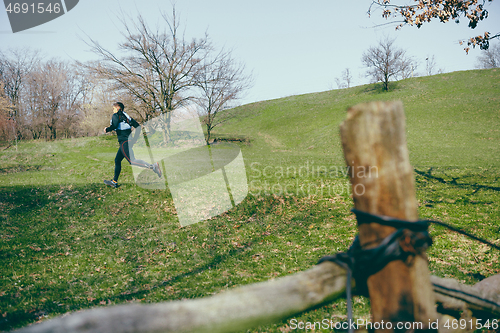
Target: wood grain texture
[{"x": 373, "y": 137}]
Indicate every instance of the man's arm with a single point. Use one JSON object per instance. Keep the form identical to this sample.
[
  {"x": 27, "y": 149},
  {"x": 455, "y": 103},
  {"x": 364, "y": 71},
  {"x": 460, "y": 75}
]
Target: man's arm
[{"x": 114, "y": 124}]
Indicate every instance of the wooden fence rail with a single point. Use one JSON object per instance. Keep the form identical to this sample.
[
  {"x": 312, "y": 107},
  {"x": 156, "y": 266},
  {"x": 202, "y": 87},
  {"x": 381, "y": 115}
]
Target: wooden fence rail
[
  {"x": 249, "y": 306},
  {"x": 372, "y": 135},
  {"x": 230, "y": 311}
]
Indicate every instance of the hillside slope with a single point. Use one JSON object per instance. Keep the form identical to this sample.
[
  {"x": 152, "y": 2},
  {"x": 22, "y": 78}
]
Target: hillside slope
[{"x": 453, "y": 119}]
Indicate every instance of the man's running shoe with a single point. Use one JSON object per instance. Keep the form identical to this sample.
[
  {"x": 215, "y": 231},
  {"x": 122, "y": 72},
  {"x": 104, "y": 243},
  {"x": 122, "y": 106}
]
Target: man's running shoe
[
  {"x": 111, "y": 183},
  {"x": 156, "y": 169}
]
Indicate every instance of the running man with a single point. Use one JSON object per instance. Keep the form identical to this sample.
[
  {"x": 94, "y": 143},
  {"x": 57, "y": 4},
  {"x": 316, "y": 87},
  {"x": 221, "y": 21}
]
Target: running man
[{"x": 122, "y": 123}]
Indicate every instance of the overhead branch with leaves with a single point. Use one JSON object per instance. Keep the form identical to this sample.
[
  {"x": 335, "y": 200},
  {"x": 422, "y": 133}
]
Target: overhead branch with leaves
[{"x": 424, "y": 11}]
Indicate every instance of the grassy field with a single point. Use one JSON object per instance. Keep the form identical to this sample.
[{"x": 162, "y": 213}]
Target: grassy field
[{"x": 67, "y": 242}]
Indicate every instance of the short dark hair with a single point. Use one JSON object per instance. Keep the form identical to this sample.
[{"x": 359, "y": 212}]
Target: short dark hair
[{"x": 119, "y": 105}]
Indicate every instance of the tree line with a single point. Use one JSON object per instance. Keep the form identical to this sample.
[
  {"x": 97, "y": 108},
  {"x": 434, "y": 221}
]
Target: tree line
[
  {"x": 38, "y": 99},
  {"x": 157, "y": 71}
]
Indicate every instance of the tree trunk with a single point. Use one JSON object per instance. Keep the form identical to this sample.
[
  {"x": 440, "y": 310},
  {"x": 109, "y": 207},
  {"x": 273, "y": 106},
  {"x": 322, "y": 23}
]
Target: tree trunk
[
  {"x": 374, "y": 142},
  {"x": 208, "y": 134},
  {"x": 165, "y": 127}
]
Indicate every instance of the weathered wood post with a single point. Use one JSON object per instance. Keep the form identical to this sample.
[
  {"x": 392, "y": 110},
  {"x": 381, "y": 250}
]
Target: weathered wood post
[{"x": 374, "y": 142}]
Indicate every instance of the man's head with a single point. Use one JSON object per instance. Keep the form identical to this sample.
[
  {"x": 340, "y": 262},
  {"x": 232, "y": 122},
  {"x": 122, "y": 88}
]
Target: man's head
[{"x": 118, "y": 106}]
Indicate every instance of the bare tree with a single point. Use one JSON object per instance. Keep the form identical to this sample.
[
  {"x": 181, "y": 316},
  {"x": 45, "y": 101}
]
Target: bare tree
[
  {"x": 15, "y": 66},
  {"x": 158, "y": 68},
  {"x": 6, "y": 124},
  {"x": 408, "y": 68},
  {"x": 221, "y": 82},
  {"x": 43, "y": 97},
  {"x": 97, "y": 98},
  {"x": 73, "y": 92},
  {"x": 345, "y": 79},
  {"x": 489, "y": 58},
  {"x": 430, "y": 64},
  {"x": 386, "y": 62},
  {"x": 54, "y": 99}
]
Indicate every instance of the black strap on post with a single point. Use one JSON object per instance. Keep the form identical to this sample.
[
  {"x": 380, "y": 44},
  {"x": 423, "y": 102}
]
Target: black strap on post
[
  {"x": 420, "y": 225},
  {"x": 410, "y": 238}
]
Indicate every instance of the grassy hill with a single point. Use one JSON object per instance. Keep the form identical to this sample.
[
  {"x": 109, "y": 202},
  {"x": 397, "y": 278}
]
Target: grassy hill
[
  {"x": 447, "y": 115},
  {"x": 67, "y": 242}
]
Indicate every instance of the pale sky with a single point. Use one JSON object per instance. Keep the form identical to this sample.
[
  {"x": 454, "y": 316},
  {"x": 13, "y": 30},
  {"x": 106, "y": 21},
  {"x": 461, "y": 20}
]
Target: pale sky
[{"x": 292, "y": 47}]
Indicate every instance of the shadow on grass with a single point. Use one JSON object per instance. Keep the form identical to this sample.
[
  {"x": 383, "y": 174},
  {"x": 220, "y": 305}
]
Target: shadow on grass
[
  {"x": 20, "y": 168},
  {"x": 39, "y": 234},
  {"x": 454, "y": 181},
  {"x": 378, "y": 88},
  {"x": 28, "y": 199},
  {"x": 218, "y": 259},
  {"x": 22, "y": 316},
  {"x": 34, "y": 221}
]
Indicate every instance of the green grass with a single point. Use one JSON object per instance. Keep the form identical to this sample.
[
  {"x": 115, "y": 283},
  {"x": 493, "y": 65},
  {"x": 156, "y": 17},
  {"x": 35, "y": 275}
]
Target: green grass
[{"x": 67, "y": 242}]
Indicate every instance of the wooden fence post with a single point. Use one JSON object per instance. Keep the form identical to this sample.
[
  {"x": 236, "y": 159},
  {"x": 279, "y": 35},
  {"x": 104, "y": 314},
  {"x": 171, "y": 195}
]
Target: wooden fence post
[{"x": 374, "y": 142}]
